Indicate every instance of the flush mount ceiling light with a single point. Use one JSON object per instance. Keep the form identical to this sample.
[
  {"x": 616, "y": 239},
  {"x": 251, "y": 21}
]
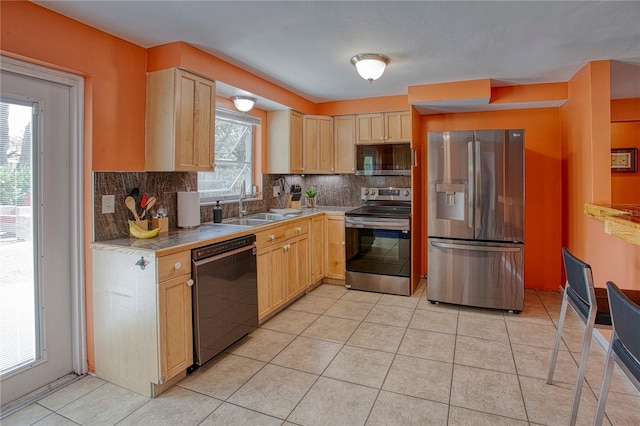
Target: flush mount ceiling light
[
  {"x": 243, "y": 103},
  {"x": 370, "y": 66}
]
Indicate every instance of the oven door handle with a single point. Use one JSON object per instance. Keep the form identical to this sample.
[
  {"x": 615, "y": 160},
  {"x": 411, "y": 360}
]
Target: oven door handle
[
  {"x": 223, "y": 255},
  {"x": 370, "y": 224}
]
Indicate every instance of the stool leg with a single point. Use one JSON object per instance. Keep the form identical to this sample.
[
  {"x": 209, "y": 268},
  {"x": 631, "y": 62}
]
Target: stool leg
[
  {"x": 604, "y": 389},
  {"x": 556, "y": 345},
  {"x": 582, "y": 368}
]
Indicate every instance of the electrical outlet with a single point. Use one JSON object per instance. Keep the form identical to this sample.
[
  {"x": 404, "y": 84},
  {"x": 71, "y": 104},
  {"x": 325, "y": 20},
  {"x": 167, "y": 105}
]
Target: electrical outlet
[
  {"x": 108, "y": 204},
  {"x": 277, "y": 191}
]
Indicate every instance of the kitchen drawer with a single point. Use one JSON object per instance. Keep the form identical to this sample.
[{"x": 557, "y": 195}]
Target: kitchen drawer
[
  {"x": 299, "y": 227},
  {"x": 271, "y": 236},
  {"x": 174, "y": 265}
]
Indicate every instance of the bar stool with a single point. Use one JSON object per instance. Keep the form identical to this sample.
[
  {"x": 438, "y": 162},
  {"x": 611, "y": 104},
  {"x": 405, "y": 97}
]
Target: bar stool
[
  {"x": 591, "y": 305},
  {"x": 624, "y": 347}
]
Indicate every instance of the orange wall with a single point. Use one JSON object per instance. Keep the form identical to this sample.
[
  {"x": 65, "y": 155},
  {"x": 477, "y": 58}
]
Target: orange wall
[
  {"x": 113, "y": 68},
  {"x": 364, "y": 106},
  {"x": 625, "y": 109},
  {"x": 625, "y": 187},
  {"x": 471, "y": 89},
  {"x": 543, "y": 197},
  {"x": 586, "y": 126}
]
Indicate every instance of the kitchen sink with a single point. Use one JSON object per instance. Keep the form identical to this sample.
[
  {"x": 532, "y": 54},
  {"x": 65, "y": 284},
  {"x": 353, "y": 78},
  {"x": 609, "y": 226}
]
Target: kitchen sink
[
  {"x": 267, "y": 216},
  {"x": 247, "y": 221},
  {"x": 257, "y": 219}
]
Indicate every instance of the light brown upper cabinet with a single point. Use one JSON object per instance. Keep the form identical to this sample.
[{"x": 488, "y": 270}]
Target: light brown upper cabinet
[
  {"x": 383, "y": 127},
  {"x": 344, "y": 139},
  {"x": 180, "y": 121},
  {"x": 317, "y": 141},
  {"x": 284, "y": 152}
]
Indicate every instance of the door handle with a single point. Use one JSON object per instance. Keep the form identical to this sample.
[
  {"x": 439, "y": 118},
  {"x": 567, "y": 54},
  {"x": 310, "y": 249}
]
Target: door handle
[
  {"x": 476, "y": 248},
  {"x": 470, "y": 185},
  {"x": 478, "y": 182}
]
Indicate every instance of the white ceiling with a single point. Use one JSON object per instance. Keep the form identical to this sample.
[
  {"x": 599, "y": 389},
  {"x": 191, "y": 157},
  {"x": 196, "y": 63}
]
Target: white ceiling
[{"x": 306, "y": 46}]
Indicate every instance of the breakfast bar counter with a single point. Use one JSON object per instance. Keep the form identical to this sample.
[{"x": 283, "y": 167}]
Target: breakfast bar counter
[{"x": 620, "y": 220}]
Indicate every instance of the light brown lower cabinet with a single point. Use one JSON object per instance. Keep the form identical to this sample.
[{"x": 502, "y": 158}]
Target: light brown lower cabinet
[
  {"x": 142, "y": 318},
  {"x": 316, "y": 250},
  {"x": 175, "y": 321},
  {"x": 335, "y": 247},
  {"x": 283, "y": 265}
]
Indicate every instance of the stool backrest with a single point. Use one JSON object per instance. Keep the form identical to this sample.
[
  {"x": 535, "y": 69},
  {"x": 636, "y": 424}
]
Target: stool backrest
[
  {"x": 579, "y": 276},
  {"x": 625, "y": 316}
]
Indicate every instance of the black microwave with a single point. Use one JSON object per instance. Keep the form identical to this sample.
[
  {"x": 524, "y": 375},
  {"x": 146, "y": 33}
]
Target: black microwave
[{"x": 384, "y": 159}]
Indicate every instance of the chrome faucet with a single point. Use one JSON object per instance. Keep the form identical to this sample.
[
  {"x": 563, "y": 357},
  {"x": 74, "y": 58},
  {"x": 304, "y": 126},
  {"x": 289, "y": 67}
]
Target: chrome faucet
[{"x": 243, "y": 195}]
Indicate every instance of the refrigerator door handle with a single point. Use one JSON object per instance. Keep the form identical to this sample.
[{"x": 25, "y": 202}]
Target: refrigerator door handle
[
  {"x": 478, "y": 183},
  {"x": 470, "y": 185},
  {"x": 475, "y": 248}
]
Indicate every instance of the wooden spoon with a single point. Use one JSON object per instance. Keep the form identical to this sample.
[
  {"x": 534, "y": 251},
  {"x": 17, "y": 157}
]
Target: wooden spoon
[{"x": 131, "y": 205}]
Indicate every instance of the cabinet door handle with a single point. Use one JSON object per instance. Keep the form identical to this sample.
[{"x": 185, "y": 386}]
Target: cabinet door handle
[
  {"x": 343, "y": 243},
  {"x": 178, "y": 265},
  {"x": 190, "y": 283}
]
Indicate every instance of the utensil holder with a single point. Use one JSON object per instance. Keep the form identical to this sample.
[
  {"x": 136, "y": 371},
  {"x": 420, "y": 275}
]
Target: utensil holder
[
  {"x": 160, "y": 222},
  {"x": 142, "y": 224}
]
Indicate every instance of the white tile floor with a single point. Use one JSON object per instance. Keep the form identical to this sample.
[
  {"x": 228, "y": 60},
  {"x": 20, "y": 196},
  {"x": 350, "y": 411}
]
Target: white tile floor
[{"x": 338, "y": 357}]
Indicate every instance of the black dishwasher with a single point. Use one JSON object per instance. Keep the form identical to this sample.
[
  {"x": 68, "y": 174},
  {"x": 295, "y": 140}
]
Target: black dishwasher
[{"x": 225, "y": 295}]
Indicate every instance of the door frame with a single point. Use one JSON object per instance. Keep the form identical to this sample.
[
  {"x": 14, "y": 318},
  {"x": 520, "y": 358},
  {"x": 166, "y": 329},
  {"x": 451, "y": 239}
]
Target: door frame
[{"x": 76, "y": 239}]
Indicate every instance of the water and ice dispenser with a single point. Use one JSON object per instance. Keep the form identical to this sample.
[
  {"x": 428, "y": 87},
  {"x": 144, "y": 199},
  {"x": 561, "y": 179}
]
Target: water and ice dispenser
[{"x": 451, "y": 200}]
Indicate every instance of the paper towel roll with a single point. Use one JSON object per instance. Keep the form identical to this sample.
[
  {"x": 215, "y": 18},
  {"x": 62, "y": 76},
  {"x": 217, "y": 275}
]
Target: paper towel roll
[{"x": 188, "y": 209}]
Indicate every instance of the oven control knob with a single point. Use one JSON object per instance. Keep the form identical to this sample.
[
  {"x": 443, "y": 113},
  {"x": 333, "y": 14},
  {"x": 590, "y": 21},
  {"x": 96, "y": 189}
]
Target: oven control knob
[
  {"x": 406, "y": 193},
  {"x": 366, "y": 192},
  {"x": 373, "y": 192}
]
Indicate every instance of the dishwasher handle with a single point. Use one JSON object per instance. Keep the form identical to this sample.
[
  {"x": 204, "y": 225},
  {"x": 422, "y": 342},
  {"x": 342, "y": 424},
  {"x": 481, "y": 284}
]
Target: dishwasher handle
[{"x": 225, "y": 254}]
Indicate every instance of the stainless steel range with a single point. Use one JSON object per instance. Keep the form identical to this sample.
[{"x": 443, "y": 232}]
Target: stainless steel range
[{"x": 378, "y": 242}]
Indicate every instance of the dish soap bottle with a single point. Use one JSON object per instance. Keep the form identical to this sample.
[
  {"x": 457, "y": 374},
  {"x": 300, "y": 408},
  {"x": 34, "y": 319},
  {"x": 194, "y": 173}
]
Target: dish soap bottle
[{"x": 217, "y": 213}]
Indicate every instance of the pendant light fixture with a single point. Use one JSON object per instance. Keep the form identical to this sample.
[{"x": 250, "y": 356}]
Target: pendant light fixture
[
  {"x": 243, "y": 103},
  {"x": 370, "y": 66}
]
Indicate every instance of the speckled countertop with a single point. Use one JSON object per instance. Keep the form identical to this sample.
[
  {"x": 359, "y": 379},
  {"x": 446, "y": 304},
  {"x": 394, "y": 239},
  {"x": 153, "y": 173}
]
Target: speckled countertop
[{"x": 207, "y": 233}]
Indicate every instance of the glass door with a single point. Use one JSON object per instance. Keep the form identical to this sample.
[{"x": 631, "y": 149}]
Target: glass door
[
  {"x": 36, "y": 345},
  {"x": 19, "y": 292}
]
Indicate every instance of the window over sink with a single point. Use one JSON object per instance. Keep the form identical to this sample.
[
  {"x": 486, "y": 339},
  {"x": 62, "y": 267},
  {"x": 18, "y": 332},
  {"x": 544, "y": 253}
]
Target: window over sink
[{"x": 234, "y": 157}]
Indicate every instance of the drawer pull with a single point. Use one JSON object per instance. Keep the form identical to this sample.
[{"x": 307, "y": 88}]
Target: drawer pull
[
  {"x": 190, "y": 283},
  {"x": 299, "y": 229},
  {"x": 272, "y": 237},
  {"x": 178, "y": 265}
]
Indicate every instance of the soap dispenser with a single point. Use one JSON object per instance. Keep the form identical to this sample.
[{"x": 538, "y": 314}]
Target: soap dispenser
[{"x": 217, "y": 213}]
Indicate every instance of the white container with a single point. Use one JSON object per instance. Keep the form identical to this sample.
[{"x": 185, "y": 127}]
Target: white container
[{"x": 188, "y": 209}]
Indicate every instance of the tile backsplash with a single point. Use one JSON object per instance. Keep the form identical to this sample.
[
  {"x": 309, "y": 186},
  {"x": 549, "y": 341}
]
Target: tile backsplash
[{"x": 333, "y": 190}]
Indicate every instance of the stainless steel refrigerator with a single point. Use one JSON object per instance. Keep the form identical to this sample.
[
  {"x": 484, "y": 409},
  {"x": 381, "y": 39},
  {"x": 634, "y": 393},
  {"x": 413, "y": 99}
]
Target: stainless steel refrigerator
[{"x": 476, "y": 218}]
